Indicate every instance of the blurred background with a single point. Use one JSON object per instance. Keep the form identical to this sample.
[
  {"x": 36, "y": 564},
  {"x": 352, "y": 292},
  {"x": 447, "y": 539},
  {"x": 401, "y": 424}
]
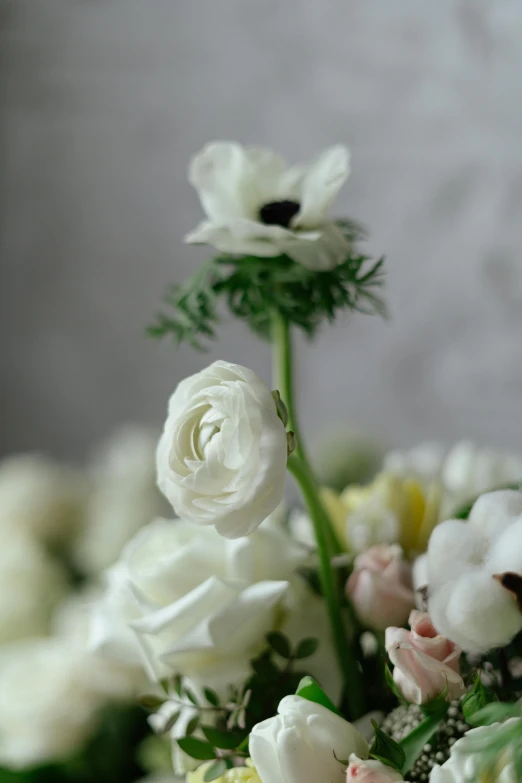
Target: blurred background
[{"x": 102, "y": 104}]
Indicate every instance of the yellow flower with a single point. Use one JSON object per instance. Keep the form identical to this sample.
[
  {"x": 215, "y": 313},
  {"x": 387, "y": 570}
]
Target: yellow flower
[
  {"x": 246, "y": 774},
  {"x": 361, "y": 515}
]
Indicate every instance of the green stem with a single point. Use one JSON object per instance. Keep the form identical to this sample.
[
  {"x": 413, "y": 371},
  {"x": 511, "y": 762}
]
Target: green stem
[
  {"x": 344, "y": 651},
  {"x": 282, "y": 373}
]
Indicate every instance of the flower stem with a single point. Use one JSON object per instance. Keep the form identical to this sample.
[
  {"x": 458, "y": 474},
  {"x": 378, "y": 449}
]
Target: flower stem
[
  {"x": 283, "y": 375},
  {"x": 344, "y": 651}
]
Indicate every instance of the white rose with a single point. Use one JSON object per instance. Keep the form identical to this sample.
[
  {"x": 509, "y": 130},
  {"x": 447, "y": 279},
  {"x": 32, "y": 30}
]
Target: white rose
[
  {"x": 31, "y": 583},
  {"x": 475, "y": 574},
  {"x": 304, "y": 743},
  {"x": 47, "y": 705},
  {"x": 123, "y": 497},
  {"x": 183, "y": 599},
  {"x": 222, "y": 457},
  {"x": 256, "y": 205},
  {"x": 40, "y": 497},
  {"x": 464, "y": 763}
]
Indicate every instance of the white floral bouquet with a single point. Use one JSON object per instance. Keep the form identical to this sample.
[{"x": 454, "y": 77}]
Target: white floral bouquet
[{"x": 372, "y": 633}]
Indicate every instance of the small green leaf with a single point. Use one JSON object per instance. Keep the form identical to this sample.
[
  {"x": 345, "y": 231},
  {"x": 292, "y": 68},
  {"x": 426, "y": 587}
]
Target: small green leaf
[
  {"x": 306, "y": 647},
  {"x": 171, "y": 721},
  {"x": 215, "y": 770},
  {"x": 211, "y": 696},
  {"x": 280, "y": 644},
  {"x": 196, "y": 748},
  {"x": 192, "y": 725},
  {"x": 477, "y": 699},
  {"x": 151, "y": 702},
  {"x": 385, "y": 749},
  {"x": 413, "y": 744},
  {"x": 264, "y": 667},
  {"x": 191, "y": 697},
  {"x": 225, "y": 740},
  {"x": 177, "y": 684},
  {"x": 310, "y": 690}
]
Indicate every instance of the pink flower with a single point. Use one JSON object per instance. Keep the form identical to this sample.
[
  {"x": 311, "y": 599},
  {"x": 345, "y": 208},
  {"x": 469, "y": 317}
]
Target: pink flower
[
  {"x": 371, "y": 771},
  {"x": 380, "y": 587},
  {"x": 425, "y": 662}
]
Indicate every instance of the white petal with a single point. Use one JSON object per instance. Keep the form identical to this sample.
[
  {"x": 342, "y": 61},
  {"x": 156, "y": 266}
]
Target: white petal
[
  {"x": 325, "y": 177},
  {"x": 234, "y": 242},
  {"x": 225, "y": 181},
  {"x": 493, "y": 512},
  {"x": 320, "y": 251}
]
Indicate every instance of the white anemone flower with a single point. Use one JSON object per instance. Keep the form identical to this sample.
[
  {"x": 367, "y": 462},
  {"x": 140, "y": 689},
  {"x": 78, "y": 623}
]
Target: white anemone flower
[{"x": 257, "y": 205}]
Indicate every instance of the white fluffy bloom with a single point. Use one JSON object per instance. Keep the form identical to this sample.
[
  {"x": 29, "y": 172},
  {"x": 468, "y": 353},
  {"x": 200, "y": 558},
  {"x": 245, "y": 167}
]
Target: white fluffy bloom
[
  {"x": 222, "y": 457},
  {"x": 256, "y": 205},
  {"x": 31, "y": 583},
  {"x": 475, "y": 574},
  {"x": 304, "y": 743},
  {"x": 468, "y": 470},
  {"x": 183, "y": 599},
  {"x": 464, "y": 763},
  {"x": 40, "y": 497},
  {"x": 123, "y": 497}
]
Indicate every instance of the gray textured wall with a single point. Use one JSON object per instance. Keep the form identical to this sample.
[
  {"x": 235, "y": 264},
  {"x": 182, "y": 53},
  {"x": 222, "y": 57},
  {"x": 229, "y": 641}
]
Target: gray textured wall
[{"x": 102, "y": 103}]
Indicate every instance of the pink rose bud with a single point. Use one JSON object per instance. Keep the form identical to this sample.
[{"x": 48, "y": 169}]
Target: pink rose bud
[
  {"x": 425, "y": 662},
  {"x": 371, "y": 771},
  {"x": 380, "y": 587}
]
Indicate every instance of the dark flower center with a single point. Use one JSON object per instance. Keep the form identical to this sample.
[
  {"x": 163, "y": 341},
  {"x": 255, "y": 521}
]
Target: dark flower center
[
  {"x": 513, "y": 583},
  {"x": 279, "y": 213}
]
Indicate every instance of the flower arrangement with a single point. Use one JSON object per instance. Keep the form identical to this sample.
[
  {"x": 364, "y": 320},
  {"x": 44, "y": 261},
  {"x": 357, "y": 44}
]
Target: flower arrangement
[{"x": 372, "y": 634}]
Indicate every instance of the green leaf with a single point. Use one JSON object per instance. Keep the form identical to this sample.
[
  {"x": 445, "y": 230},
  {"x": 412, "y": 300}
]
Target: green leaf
[
  {"x": 211, "y": 696},
  {"x": 225, "y": 740},
  {"x": 496, "y": 713},
  {"x": 215, "y": 770},
  {"x": 306, "y": 648},
  {"x": 192, "y": 725},
  {"x": 151, "y": 702},
  {"x": 393, "y": 685},
  {"x": 196, "y": 748},
  {"x": 309, "y": 689},
  {"x": 191, "y": 697},
  {"x": 413, "y": 744},
  {"x": 264, "y": 667},
  {"x": 478, "y": 698},
  {"x": 385, "y": 749},
  {"x": 279, "y": 643},
  {"x": 172, "y": 721}
]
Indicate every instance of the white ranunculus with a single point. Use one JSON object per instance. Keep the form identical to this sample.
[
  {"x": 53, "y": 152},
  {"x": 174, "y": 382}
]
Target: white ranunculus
[
  {"x": 475, "y": 574},
  {"x": 48, "y": 706},
  {"x": 466, "y": 759},
  {"x": 123, "y": 498},
  {"x": 31, "y": 583},
  {"x": 40, "y": 497},
  {"x": 304, "y": 743},
  {"x": 256, "y": 205},
  {"x": 183, "y": 599},
  {"x": 222, "y": 457}
]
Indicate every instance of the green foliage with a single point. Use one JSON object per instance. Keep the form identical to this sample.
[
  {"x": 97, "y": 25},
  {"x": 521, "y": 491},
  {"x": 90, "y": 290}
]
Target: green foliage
[
  {"x": 215, "y": 770},
  {"x": 306, "y": 648},
  {"x": 475, "y": 701},
  {"x": 254, "y": 288},
  {"x": 309, "y": 689},
  {"x": 197, "y": 748},
  {"x": 280, "y": 644},
  {"x": 385, "y": 749},
  {"x": 413, "y": 744}
]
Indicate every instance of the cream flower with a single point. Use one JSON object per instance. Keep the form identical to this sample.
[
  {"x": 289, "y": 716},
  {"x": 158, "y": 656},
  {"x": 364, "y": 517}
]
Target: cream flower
[
  {"x": 246, "y": 774},
  {"x": 222, "y": 457},
  {"x": 475, "y": 574},
  {"x": 256, "y": 205},
  {"x": 304, "y": 743},
  {"x": 123, "y": 498},
  {"x": 31, "y": 583},
  {"x": 183, "y": 599}
]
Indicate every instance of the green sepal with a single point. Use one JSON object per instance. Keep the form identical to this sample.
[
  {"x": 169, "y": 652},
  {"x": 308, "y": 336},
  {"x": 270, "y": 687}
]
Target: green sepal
[
  {"x": 475, "y": 701},
  {"x": 310, "y": 690},
  {"x": 386, "y": 750}
]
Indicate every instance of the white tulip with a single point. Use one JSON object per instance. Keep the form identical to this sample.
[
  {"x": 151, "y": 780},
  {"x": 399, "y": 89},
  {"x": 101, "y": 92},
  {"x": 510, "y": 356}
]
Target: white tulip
[
  {"x": 464, "y": 763},
  {"x": 222, "y": 457},
  {"x": 304, "y": 743},
  {"x": 183, "y": 599},
  {"x": 256, "y": 205},
  {"x": 31, "y": 583},
  {"x": 475, "y": 574},
  {"x": 40, "y": 497},
  {"x": 123, "y": 497}
]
